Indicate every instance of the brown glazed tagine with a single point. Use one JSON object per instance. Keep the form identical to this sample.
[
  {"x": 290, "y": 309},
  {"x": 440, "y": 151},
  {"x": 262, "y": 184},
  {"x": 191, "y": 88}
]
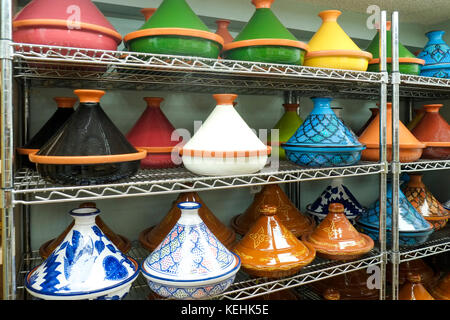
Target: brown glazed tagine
[
  {"x": 429, "y": 277},
  {"x": 151, "y": 237},
  {"x": 121, "y": 242},
  {"x": 336, "y": 238},
  {"x": 270, "y": 250},
  {"x": 423, "y": 200},
  {"x": 442, "y": 290},
  {"x": 413, "y": 289},
  {"x": 287, "y": 213}
]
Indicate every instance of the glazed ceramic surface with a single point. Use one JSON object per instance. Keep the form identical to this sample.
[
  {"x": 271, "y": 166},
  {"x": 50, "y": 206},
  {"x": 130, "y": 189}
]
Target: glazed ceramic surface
[
  {"x": 270, "y": 250},
  {"x": 265, "y": 39},
  {"x": 335, "y": 193},
  {"x": 413, "y": 289},
  {"x": 434, "y": 131},
  {"x": 86, "y": 265},
  {"x": 224, "y": 144},
  {"x": 190, "y": 263},
  {"x": 287, "y": 213},
  {"x": 49, "y": 22},
  {"x": 331, "y": 47},
  {"x": 88, "y": 148},
  {"x": 436, "y": 54},
  {"x": 154, "y": 133},
  {"x": 442, "y": 290},
  {"x": 323, "y": 140},
  {"x": 175, "y": 29},
  {"x": 429, "y": 277},
  {"x": 336, "y": 238}
]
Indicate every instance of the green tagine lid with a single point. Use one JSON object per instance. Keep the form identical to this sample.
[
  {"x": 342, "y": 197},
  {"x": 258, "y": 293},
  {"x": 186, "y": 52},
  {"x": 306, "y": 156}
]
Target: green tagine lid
[{"x": 408, "y": 62}]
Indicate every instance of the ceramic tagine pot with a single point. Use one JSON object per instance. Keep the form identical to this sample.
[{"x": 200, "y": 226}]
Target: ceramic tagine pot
[
  {"x": 336, "y": 238},
  {"x": 63, "y": 112},
  {"x": 66, "y": 23},
  {"x": 336, "y": 192},
  {"x": 331, "y": 47},
  {"x": 375, "y": 112},
  {"x": 413, "y": 228},
  {"x": 86, "y": 265},
  {"x": 436, "y": 54},
  {"x": 287, "y": 213},
  {"x": 88, "y": 149},
  {"x": 413, "y": 289},
  {"x": 442, "y": 290},
  {"x": 154, "y": 133},
  {"x": 121, "y": 242},
  {"x": 222, "y": 30},
  {"x": 418, "y": 115},
  {"x": 286, "y": 126},
  {"x": 323, "y": 140},
  {"x": 265, "y": 39},
  {"x": 151, "y": 237},
  {"x": 408, "y": 63},
  {"x": 224, "y": 144},
  {"x": 190, "y": 263},
  {"x": 414, "y": 267},
  {"x": 410, "y": 148},
  {"x": 423, "y": 200},
  {"x": 270, "y": 250},
  {"x": 434, "y": 131},
  {"x": 174, "y": 29}
]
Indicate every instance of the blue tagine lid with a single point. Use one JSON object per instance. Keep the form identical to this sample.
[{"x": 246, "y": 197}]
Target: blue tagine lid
[
  {"x": 86, "y": 265},
  {"x": 322, "y": 128},
  {"x": 336, "y": 192},
  {"x": 409, "y": 220},
  {"x": 436, "y": 54},
  {"x": 190, "y": 262}
]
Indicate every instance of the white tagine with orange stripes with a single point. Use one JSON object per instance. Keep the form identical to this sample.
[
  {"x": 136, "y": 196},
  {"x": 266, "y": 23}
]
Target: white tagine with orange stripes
[{"x": 224, "y": 144}]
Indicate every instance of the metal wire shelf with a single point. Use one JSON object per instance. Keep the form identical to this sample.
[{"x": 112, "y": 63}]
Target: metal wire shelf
[
  {"x": 423, "y": 165},
  {"x": 424, "y": 87},
  {"x": 30, "y": 188}
]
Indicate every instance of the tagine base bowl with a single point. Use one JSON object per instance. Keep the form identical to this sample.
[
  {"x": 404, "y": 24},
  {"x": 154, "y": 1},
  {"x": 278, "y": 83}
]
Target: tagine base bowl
[{"x": 267, "y": 54}]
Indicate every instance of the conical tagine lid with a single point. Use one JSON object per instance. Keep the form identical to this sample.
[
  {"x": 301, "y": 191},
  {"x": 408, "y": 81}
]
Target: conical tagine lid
[
  {"x": 88, "y": 137},
  {"x": 433, "y": 129},
  {"x": 272, "y": 195},
  {"x": 288, "y": 123},
  {"x": 413, "y": 289},
  {"x": 270, "y": 250},
  {"x": 63, "y": 112},
  {"x": 151, "y": 237},
  {"x": 442, "y": 290},
  {"x": 374, "y": 111},
  {"x": 436, "y": 52},
  {"x": 85, "y": 265},
  {"x": 336, "y": 238}
]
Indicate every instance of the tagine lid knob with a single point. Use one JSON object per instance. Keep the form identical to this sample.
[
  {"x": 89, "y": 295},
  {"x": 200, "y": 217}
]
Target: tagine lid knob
[
  {"x": 262, "y": 4},
  {"x": 225, "y": 98},
  {"x": 154, "y": 102},
  {"x": 148, "y": 12},
  {"x": 89, "y": 96},
  {"x": 65, "y": 102}
]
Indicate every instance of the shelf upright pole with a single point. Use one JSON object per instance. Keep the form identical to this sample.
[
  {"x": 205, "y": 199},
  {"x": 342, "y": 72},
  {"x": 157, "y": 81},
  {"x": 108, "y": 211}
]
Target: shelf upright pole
[
  {"x": 383, "y": 153},
  {"x": 6, "y": 151},
  {"x": 395, "y": 254}
]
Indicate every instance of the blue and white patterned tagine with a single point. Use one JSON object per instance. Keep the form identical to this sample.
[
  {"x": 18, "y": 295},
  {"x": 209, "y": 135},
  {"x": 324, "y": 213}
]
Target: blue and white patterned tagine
[
  {"x": 323, "y": 140},
  {"x": 190, "y": 263},
  {"x": 85, "y": 266},
  {"x": 436, "y": 54}
]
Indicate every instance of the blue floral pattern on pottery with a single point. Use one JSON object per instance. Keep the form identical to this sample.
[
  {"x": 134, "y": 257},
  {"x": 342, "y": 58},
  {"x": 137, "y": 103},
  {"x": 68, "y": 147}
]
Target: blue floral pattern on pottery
[
  {"x": 327, "y": 158},
  {"x": 436, "y": 54},
  {"x": 409, "y": 239}
]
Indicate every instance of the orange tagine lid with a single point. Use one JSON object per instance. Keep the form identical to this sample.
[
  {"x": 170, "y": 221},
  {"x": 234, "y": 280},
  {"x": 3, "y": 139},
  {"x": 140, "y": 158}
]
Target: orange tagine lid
[
  {"x": 442, "y": 290},
  {"x": 414, "y": 290}
]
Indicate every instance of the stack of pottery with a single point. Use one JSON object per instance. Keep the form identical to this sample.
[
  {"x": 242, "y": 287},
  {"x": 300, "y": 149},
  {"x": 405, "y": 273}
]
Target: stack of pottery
[
  {"x": 434, "y": 131},
  {"x": 375, "y": 112},
  {"x": 174, "y": 29},
  {"x": 154, "y": 133},
  {"x": 418, "y": 115},
  {"x": 56, "y": 121},
  {"x": 287, "y": 213},
  {"x": 88, "y": 148},
  {"x": 408, "y": 63},
  {"x": 436, "y": 54},
  {"x": 323, "y": 140},
  {"x": 336, "y": 238},
  {"x": 335, "y": 193},
  {"x": 121, "y": 242},
  {"x": 190, "y": 263},
  {"x": 413, "y": 228},
  {"x": 331, "y": 47},
  {"x": 286, "y": 126},
  {"x": 442, "y": 290},
  {"x": 423, "y": 200},
  {"x": 224, "y": 144},
  {"x": 413, "y": 289},
  {"x": 151, "y": 237},
  {"x": 270, "y": 250},
  {"x": 85, "y": 266},
  {"x": 66, "y": 23},
  {"x": 265, "y": 39},
  {"x": 410, "y": 148}
]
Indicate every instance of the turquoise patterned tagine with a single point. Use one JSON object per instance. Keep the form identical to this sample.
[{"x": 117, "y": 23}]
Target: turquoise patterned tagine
[
  {"x": 190, "y": 263},
  {"x": 85, "y": 266},
  {"x": 413, "y": 228},
  {"x": 323, "y": 140},
  {"x": 436, "y": 54}
]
